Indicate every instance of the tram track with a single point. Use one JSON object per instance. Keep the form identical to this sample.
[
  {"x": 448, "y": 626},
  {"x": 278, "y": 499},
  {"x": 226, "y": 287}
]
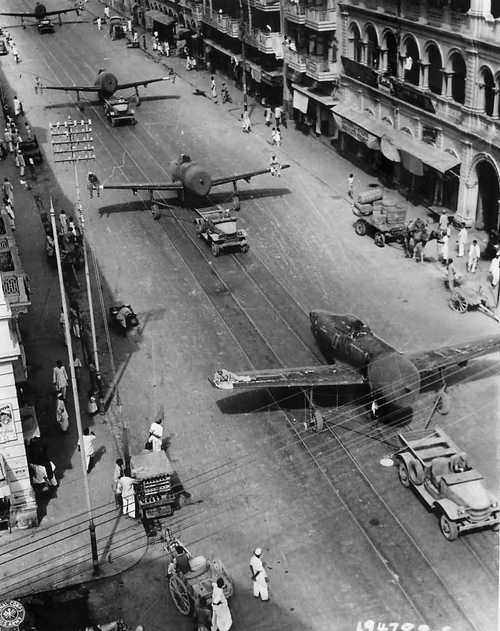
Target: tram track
[{"x": 258, "y": 341}]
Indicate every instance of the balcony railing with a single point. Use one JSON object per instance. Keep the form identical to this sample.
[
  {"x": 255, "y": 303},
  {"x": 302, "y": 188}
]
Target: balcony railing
[
  {"x": 295, "y": 12},
  {"x": 321, "y": 19},
  {"x": 265, "y": 5},
  {"x": 321, "y": 69},
  {"x": 295, "y": 60},
  {"x": 197, "y": 12},
  {"x": 266, "y": 42},
  {"x": 233, "y": 27},
  {"x": 222, "y": 22},
  {"x": 16, "y": 289}
]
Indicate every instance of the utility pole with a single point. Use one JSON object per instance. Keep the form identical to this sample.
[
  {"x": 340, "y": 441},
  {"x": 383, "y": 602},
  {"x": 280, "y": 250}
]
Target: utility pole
[
  {"x": 72, "y": 142},
  {"x": 243, "y": 31},
  {"x": 76, "y": 402},
  {"x": 286, "y": 92}
]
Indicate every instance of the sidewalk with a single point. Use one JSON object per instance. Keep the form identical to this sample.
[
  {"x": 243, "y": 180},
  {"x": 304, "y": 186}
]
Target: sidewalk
[{"x": 57, "y": 552}]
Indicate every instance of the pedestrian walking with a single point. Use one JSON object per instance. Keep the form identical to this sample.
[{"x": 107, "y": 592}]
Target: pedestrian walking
[
  {"x": 444, "y": 247},
  {"x": 31, "y": 167},
  {"x": 7, "y": 136},
  {"x": 99, "y": 23},
  {"x": 155, "y": 48},
  {"x": 37, "y": 85},
  {"x": 62, "y": 324},
  {"x": 226, "y": 97},
  {"x": 92, "y": 407},
  {"x": 125, "y": 488},
  {"x": 277, "y": 116},
  {"x": 62, "y": 417},
  {"x": 267, "y": 115},
  {"x": 135, "y": 36},
  {"x": 452, "y": 275},
  {"x": 259, "y": 576},
  {"x": 276, "y": 137},
  {"x": 144, "y": 41},
  {"x": 129, "y": 26},
  {"x": 473, "y": 258},
  {"x": 245, "y": 122},
  {"x": 494, "y": 270},
  {"x": 20, "y": 162},
  {"x": 107, "y": 12},
  {"x": 15, "y": 53},
  {"x": 213, "y": 89},
  {"x": 28, "y": 131},
  {"x": 8, "y": 190},
  {"x": 77, "y": 365},
  {"x": 63, "y": 222},
  {"x": 350, "y": 185},
  {"x": 60, "y": 378},
  {"x": 166, "y": 49},
  {"x": 88, "y": 440},
  {"x": 9, "y": 211},
  {"x": 43, "y": 476},
  {"x": 443, "y": 221},
  {"x": 156, "y": 435},
  {"x": 462, "y": 240},
  {"x": 118, "y": 473},
  {"x": 18, "y": 108},
  {"x": 275, "y": 166},
  {"x": 221, "y": 615}
]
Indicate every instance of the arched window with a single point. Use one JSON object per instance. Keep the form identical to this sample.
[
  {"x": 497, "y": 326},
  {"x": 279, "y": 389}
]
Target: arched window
[
  {"x": 356, "y": 45},
  {"x": 489, "y": 91},
  {"x": 435, "y": 69},
  {"x": 392, "y": 54},
  {"x": 372, "y": 49},
  {"x": 412, "y": 62},
  {"x": 458, "y": 78}
]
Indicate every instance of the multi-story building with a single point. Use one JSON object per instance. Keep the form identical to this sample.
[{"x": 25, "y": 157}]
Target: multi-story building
[
  {"x": 226, "y": 23},
  {"x": 311, "y": 61},
  {"x": 419, "y": 99}
]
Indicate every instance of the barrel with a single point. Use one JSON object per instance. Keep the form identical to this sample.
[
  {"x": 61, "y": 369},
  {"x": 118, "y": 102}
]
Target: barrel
[{"x": 372, "y": 195}]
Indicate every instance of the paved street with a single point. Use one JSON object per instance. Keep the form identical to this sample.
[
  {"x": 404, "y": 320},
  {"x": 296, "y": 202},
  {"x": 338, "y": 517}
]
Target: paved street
[{"x": 343, "y": 540}]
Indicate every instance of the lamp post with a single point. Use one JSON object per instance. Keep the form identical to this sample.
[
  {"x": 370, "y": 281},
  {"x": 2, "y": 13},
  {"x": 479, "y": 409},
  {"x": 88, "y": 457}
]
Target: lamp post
[
  {"x": 286, "y": 91},
  {"x": 243, "y": 31},
  {"x": 72, "y": 142}
]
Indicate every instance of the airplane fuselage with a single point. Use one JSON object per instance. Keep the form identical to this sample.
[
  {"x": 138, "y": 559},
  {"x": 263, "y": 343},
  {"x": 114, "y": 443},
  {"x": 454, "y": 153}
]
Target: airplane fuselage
[
  {"x": 40, "y": 11},
  {"x": 192, "y": 176},
  {"x": 107, "y": 84},
  {"x": 393, "y": 379}
]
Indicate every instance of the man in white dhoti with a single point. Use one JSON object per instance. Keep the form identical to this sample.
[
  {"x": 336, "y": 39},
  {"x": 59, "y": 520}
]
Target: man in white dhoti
[
  {"x": 221, "y": 616},
  {"x": 259, "y": 575},
  {"x": 156, "y": 434}
]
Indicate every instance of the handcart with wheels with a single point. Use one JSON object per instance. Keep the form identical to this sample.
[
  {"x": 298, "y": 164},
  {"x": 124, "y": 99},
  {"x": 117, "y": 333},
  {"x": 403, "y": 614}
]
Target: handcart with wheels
[
  {"x": 470, "y": 297},
  {"x": 191, "y": 578}
]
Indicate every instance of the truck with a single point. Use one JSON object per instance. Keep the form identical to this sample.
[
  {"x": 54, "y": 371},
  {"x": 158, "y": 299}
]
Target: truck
[
  {"x": 119, "y": 110},
  {"x": 218, "y": 227},
  {"x": 442, "y": 476}
]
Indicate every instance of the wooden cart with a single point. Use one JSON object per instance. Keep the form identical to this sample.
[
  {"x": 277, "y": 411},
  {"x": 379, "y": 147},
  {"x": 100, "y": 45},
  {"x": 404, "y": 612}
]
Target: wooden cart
[
  {"x": 386, "y": 225},
  {"x": 470, "y": 297}
]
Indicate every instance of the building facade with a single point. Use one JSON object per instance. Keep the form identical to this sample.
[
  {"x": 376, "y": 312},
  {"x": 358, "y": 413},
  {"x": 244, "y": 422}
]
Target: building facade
[{"x": 419, "y": 99}]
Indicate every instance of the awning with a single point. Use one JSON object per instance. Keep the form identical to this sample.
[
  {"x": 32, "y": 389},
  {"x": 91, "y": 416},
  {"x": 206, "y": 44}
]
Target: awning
[
  {"x": 357, "y": 123},
  {"x": 300, "y": 101},
  {"x": 226, "y": 51},
  {"x": 321, "y": 98},
  {"x": 158, "y": 16}
]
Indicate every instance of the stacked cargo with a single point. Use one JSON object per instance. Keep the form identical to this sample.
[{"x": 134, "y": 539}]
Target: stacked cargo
[{"x": 375, "y": 202}]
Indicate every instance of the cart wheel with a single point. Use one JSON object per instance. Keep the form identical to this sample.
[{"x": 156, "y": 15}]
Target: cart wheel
[
  {"x": 379, "y": 239},
  {"x": 458, "y": 303},
  {"x": 245, "y": 248},
  {"x": 403, "y": 474},
  {"x": 180, "y": 596},
  {"x": 215, "y": 249},
  {"x": 360, "y": 227},
  {"x": 448, "y": 528}
]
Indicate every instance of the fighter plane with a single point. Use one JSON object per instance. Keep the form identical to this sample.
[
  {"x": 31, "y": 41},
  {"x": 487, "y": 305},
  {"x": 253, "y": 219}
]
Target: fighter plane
[
  {"x": 41, "y": 15},
  {"x": 106, "y": 84},
  {"x": 189, "y": 177},
  {"x": 394, "y": 379}
]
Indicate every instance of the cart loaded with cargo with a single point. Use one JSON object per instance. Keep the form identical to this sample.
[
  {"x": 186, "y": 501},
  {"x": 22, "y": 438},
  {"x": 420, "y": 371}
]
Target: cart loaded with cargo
[{"x": 379, "y": 216}]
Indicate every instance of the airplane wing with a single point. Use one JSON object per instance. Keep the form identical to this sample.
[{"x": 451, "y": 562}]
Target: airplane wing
[
  {"x": 33, "y": 15},
  {"x": 72, "y": 88},
  {"x": 135, "y": 84},
  {"x": 306, "y": 376},
  {"x": 447, "y": 356},
  {"x": 60, "y": 11},
  {"x": 136, "y": 186},
  {"x": 243, "y": 176}
]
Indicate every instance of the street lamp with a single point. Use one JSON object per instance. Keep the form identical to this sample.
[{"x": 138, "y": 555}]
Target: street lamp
[{"x": 72, "y": 142}]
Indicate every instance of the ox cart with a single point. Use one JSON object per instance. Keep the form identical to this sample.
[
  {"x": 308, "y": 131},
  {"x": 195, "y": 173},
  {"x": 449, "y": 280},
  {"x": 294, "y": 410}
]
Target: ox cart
[
  {"x": 380, "y": 217},
  {"x": 439, "y": 472},
  {"x": 191, "y": 578}
]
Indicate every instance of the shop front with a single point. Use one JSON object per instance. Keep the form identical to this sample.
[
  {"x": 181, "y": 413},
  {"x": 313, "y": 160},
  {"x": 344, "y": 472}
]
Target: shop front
[
  {"x": 312, "y": 112},
  {"x": 163, "y": 24},
  {"x": 420, "y": 171}
]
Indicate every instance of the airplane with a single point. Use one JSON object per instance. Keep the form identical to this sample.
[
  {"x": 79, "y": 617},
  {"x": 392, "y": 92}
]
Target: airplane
[
  {"x": 41, "y": 14},
  {"x": 189, "y": 177},
  {"x": 394, "y": 378},
  {"x": 106, "y": 84}
]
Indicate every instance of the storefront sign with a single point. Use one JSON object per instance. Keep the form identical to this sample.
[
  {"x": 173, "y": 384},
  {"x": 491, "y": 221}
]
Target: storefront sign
[
  {"x": 7, "y": 426},
  {"x": 412, "y": 95},
  {"x": 12, "y": 614},
  {"x": 357, "y": 132}
]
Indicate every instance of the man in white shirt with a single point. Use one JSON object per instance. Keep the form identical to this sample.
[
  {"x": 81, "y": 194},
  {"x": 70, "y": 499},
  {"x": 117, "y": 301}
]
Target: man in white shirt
[
  {"x": 125, "y": 488},
  {"x": 259, "y": 576},
  {"x": 88, "y": 447}
]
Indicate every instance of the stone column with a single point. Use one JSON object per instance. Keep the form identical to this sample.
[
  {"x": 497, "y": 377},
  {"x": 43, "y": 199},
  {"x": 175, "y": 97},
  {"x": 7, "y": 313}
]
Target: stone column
[
  {"x": 480, "y": 8},
  {"x": 383, "y": 60},
  {"x": 480, "y": 100},
  {"x": 468, "y": 187},
  {"x": 448, "y": 81},
  {"x": 401, "y": 66},
  {"x": 443, "y": 82},
  {"x": 495, "y": 114},
  {"x": 471, "y": 65},
  {"x": 363, "y": 52},
  {"x": 424, "y": 75},
  {"x": 345, "y": 37}
]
